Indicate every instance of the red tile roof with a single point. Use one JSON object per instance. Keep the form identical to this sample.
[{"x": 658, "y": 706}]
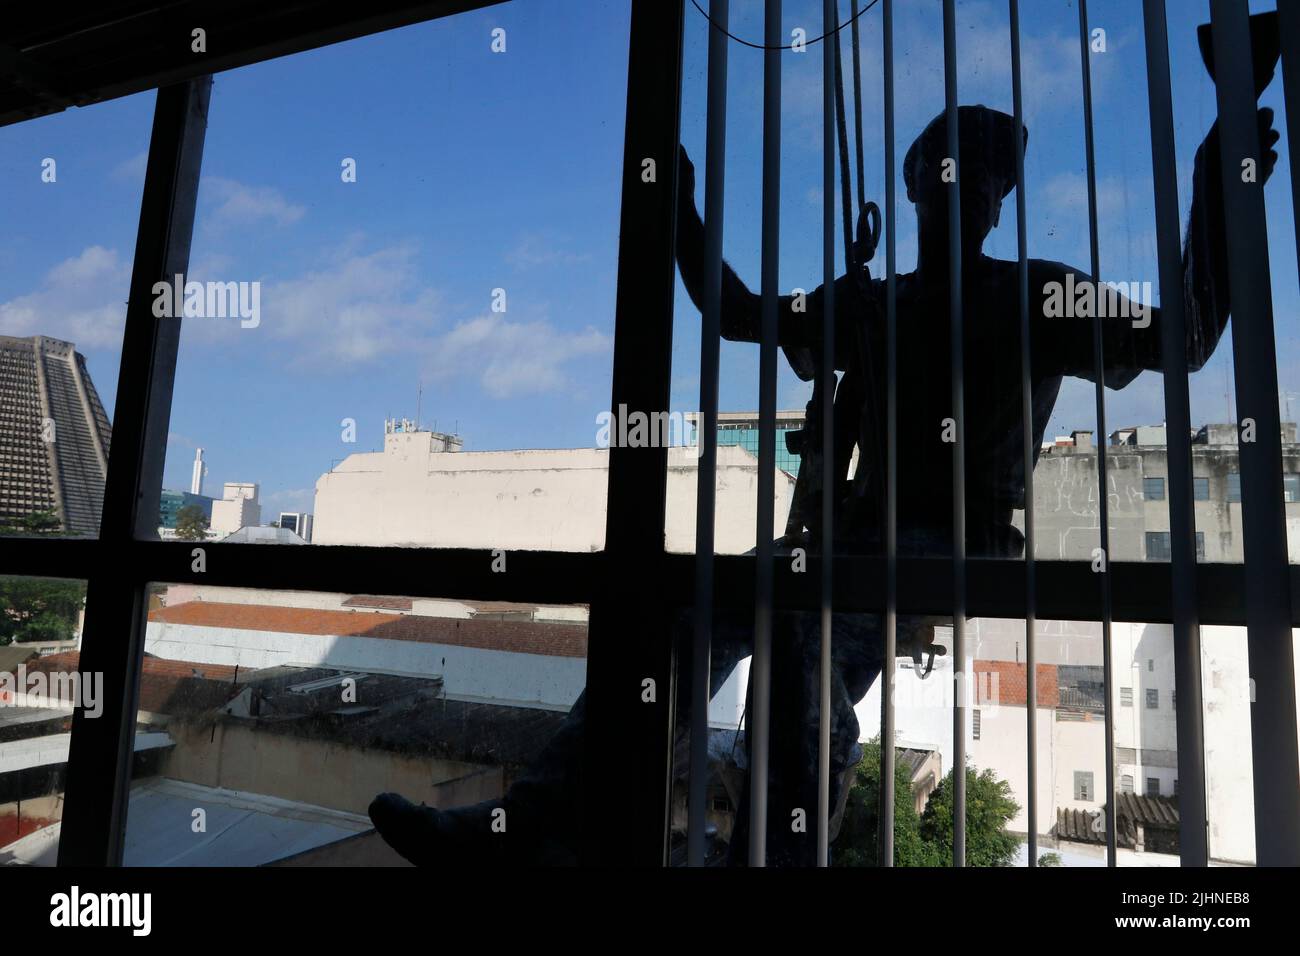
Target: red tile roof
[
  {"x": 521, "y": 637},
  {"x": 165, "y": 685}
]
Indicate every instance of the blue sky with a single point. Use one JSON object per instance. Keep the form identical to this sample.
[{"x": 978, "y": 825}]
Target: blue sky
[{"x": 479, "y": 170}]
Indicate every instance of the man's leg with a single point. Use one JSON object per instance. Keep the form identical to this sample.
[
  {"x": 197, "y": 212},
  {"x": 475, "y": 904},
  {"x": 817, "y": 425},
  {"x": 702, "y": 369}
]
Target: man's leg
[
  {"x": 542, "y": 807},
  {"x": 794, "y": 734}
]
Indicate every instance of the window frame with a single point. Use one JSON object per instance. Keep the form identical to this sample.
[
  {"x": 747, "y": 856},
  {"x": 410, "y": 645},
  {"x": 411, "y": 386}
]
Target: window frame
[{"x": 119, "y": 564}]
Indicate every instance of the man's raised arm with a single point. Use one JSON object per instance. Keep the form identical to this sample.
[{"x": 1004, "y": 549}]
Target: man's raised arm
[{"x": 1131, "y": 332}]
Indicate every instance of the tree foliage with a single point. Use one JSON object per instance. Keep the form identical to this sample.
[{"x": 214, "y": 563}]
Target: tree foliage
[
  {"x": 925, "y": 839},
  {"x": 989, "y": 808},
  {"x": 858, "y": 843},
  {"x": 39, "y": 609},
  {"x": 191, "y": 523}
]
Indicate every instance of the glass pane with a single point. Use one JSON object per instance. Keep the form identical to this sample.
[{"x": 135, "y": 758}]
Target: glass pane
[
  {"x": 40, "y": 637},
  {"x": 72, "y": 184},
  {"x": 415, "y": 346},
  {"x": 283, "y": 716}
]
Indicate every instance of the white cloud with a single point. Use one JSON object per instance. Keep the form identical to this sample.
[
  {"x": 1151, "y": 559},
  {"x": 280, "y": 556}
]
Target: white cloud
[
  {"x": 81, "y": 300},
  {"x": 241, "y": 204},
  {"x": 131, "y": 169},
  {"x": 357, "y": 309},
  {"x": 534, "y": 250},
  {"x": 514, "y": 358}
]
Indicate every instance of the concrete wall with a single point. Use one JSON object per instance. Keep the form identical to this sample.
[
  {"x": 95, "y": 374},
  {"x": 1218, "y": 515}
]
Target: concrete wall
[
  {"x": 1066, "y": 512},
  {"x": 551, "y": 500},
  {"x": 318, "y": 772},
  {"x": 229, "y": 515}
]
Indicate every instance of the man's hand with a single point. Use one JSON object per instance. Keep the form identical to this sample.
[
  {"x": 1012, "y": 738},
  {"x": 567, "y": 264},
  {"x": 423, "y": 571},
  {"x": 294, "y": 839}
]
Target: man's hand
[
  {"x": 686, "y": 177},
  {"x": 1268, "y": 137}
]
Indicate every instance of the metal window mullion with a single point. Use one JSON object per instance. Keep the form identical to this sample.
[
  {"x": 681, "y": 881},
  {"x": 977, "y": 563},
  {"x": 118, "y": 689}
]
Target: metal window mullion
[
  {"x": 957, "y": 374},
  {"x": 829, "y": 467},
  {"x": 1027, "y": 422},
  {"x": 761, "y": 668},
  {"x": 887, "y": 755},
  {"x": 706, "y": 496},
  {"x": 1103, "y": 498},
  {"x": 1288, "y": 20},
  {"x": 626, "y": 650},
  {"x": 1192, "y": 839},
  {"x": 1268, "y": 599},
  {"x": 101, "y": 749}
]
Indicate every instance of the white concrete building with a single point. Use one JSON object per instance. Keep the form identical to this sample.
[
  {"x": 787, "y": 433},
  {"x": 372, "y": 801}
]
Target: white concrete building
[
  {"x": 1070, "y": 725},
  {"x": 237, "y": 508},
  {"x": 420, "y": 492}
]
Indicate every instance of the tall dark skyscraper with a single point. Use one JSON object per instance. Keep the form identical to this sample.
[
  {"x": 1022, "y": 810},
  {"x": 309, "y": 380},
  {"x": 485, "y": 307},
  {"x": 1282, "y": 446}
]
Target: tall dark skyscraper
[{"x": 54, "y": 434}]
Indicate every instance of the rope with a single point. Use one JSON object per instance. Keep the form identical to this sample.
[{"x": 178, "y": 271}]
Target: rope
[
  {"x": 760, "y": 46},
  {"x": 859, "y": 280},
  {"x": 857, "y": 104}
]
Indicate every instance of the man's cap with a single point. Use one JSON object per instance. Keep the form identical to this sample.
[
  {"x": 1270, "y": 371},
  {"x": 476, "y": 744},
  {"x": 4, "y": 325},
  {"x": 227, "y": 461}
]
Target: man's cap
[{"x": 989, "y": 132}]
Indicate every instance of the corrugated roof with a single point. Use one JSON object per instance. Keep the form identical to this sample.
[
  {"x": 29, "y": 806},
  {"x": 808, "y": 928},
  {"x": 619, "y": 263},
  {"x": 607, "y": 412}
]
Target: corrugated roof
[
  {"x": 379, "y": 601},
  {"x": 243, "y": 829},
  {"x": 1131, "y": 810}
]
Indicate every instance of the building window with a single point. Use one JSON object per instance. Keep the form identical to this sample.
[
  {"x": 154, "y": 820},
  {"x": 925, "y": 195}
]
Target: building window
[
  {"x": 1157, "y": 545},
  {"x": 1153, "y": 786},
  {"x": 1083, "y": 785},
  {"x": 1126, "y": 783},
  {"x": 1291, "y": 489},
  {"x": 1126, "y": 696},
  {"x": 1153, "y": 489},
  {"x": 1151, "y": 665},
  {"x": 1200, "y": 545},
  {"x": 1153, "y": 699},
  {"x": 1175, "y": 786},
  {"x": 1200, "y": 489},
  {"x": 1234, "y": 486},
  {"x": 975, "y": 724}
]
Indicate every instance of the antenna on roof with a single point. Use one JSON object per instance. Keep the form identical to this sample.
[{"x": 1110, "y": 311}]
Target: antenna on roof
[{"x": 419, "y": 396}]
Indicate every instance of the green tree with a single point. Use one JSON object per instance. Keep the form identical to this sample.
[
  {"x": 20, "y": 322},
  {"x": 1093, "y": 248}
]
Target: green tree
[
  {"x": 191, "y": 523},
  {"x": 37, "y": 522},
  {"x": 989, "y": 808},
  {"x": 858, "y": 843},
  {"x": 39, "y": 609},
  {"x": 925, "y": 839},
  {"x": 1050, "y": 859}
]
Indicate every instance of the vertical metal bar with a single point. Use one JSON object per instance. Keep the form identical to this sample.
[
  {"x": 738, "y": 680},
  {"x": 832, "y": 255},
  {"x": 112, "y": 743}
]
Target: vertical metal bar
[
  {"x": 857, "y": 92},
  {"x": 1288, "y": 24},
  {"x": 1103, "y": 496},
  {"x": 626, "y": 650},
  {"x": 100, "y": 753},
  {"x": 706, "y": 493},
  {"x": 886, "y": 857},
  {"x": 958, "y": 446},
  {"x": 1268, "y": 596},
  {"x": 1192, "y": 836},
  {"x": 1027, "y": 421},
  {"x": 829, "y": 18},
  {"x": 761, "y": 668}
]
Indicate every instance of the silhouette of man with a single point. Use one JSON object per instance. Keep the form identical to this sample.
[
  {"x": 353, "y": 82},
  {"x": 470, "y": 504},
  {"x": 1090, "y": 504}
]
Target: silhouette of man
[{"x": 544, "y": 805}]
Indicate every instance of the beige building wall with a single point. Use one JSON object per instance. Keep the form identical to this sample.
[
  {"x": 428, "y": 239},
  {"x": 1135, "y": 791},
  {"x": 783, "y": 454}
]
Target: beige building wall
[
  {"x": 319, "y": 772},
  {"x": 531, "y": 500}
]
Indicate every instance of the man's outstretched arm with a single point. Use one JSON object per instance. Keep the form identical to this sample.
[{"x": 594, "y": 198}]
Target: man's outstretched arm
[
  {"x": 798, "y": 333},
  {"x": 1131, "y": 338}
]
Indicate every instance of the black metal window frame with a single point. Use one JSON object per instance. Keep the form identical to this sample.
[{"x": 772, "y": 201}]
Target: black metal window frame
[{"x": 628, "y": 640}]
